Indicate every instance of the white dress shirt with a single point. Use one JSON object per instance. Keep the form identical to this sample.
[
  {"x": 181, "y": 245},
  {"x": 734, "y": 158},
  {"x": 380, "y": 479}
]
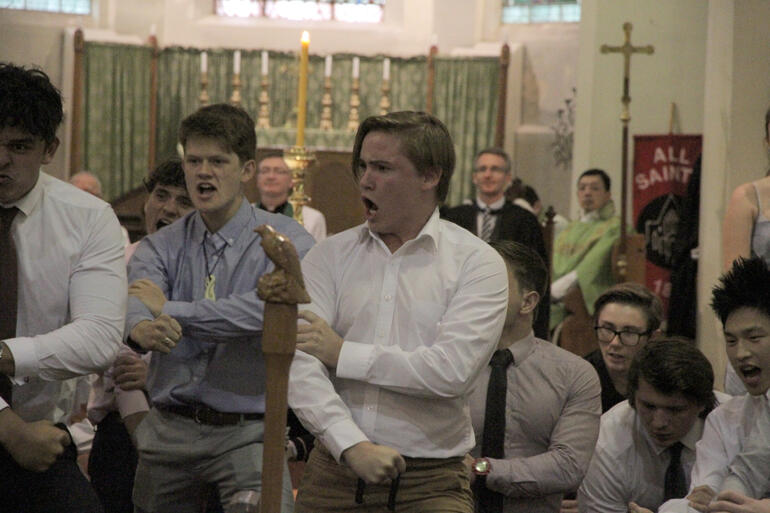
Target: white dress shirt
[
  {"x": 418, "y": 326},
  {"x": 725, "y": 434},
  {"x": 628, "y": 465},
  {"x": 72, "y": 293},
  {"x": 105, "y": 396},
  {"x": 314, "y": 222},
  {"x": 552, "y": 411}
]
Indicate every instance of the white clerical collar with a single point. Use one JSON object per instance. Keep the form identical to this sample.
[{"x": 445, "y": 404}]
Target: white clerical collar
[
  {"x": 589, "y": 217},
  {"x": 495, "y": 205}
]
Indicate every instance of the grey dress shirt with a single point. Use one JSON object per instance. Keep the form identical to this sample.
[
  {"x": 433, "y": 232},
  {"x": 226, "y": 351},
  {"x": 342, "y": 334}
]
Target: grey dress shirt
[
  {"x": 553, "y": 406},
  {"x": 218, "y": 361}
]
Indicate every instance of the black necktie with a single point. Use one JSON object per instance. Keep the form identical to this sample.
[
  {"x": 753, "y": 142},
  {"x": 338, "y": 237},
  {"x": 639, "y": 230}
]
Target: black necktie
[
  {"x": 494, "y": 426},
  {"x": 9, "y": 271},
  {"x": 675, "y": 486}
]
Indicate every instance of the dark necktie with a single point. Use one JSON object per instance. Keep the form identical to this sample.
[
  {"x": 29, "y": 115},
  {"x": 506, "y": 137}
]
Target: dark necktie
[
  {"x": 9, "y": 270},
  {"x": 675, "y": 486},
  {"x": 494, "y": 426},
  {"x": 487, "y": 221}
]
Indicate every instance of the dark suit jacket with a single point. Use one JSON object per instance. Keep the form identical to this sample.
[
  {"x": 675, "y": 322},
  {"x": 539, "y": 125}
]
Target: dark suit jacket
[{"x": 514, "y": 224}]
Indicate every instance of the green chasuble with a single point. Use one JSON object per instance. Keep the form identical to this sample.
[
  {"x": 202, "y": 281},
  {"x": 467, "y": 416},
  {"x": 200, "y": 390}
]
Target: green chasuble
[{"x": 587, "y": 248}]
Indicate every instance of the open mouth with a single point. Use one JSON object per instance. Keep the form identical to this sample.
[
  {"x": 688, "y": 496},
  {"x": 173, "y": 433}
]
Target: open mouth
[
  {"x": 751, "y": 374},
  {"x": 205, "y": 189},
  {"x": 161, "y": 223},
  {"x": 370, "y": 206}
]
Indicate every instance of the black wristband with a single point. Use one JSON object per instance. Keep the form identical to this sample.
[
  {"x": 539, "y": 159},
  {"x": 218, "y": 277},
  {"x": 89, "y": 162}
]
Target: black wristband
[{"x": 135, "y": 347}]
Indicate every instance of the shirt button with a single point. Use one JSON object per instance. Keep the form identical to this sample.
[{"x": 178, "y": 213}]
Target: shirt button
[{"x": 388, "y": 297}]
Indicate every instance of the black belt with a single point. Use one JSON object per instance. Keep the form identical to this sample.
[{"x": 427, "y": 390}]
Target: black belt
[{"x": 202, "y": 414}]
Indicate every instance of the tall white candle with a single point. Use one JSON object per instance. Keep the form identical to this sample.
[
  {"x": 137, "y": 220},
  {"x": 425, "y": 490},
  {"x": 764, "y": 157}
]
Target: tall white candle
[
  {"x": 355, "y": 67},
  {"x": 386, "y": 69},
  {"x": 237, "y": 62},
  {"x": 264, "y": 62},
  {"x": 328, "y": 66},
  {"x": 204, "y": 62}
]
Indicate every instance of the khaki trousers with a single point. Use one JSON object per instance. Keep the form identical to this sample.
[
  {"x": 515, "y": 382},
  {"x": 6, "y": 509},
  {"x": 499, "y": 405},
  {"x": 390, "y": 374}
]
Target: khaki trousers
[{"x": 428, "y": 486}]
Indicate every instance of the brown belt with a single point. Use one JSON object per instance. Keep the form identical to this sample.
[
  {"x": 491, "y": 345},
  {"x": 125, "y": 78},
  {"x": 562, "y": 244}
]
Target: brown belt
[{"x": 203, "y": 414}]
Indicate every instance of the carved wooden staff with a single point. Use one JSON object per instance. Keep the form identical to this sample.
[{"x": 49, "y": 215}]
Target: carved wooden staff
[
  {"x": 625, "y": 268},
  {"x": 281, "y": 290}
]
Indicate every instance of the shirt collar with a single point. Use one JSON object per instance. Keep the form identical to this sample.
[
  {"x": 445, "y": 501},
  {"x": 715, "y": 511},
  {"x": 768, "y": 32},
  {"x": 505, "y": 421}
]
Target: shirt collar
[
  {"x": 27, "y": 203},
  {"x": 493, "y": 206},
  {"x": 521, "y": 202},
  {"x": 429, "y": 234},
  {"x": 522, "y": 348},
  {"x": 232, "y": 228},
  {"x": 689, "y": 440}
]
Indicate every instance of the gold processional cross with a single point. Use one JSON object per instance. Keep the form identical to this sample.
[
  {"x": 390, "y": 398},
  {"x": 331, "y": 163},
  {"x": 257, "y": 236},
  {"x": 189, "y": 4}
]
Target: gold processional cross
[{"x": 627, "y": 49}]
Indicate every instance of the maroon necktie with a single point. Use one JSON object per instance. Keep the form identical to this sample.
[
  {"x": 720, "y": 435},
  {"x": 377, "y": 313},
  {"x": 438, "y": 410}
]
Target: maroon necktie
[{"x": 9, "y": 283}]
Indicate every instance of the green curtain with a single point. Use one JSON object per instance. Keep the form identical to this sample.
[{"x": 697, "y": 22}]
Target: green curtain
[
  {"x": 117, "y": 100},
  {"x": 116, "y": 115},
  {"x": 465, "y": 99}
]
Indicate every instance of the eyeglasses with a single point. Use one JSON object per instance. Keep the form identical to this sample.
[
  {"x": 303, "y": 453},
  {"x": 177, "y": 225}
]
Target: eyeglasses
[
  {"x": 494, "y": 169},
  {"x": 273, "y": 171},
  {"x": 626, "y": 337}
]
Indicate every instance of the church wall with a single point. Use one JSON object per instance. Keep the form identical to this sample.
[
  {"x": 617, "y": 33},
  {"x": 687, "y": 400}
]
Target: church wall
[
  {"x": 737, "y": 95},
  {"x": 674, "y": 73},
  {"x": 542, "y": 75},
  {"x": 548, "y": 74}
]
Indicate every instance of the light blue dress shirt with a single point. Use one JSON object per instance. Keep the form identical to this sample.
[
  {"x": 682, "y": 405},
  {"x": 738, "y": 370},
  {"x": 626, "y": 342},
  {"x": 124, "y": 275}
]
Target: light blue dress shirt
[{"x": 218, "y": 362}]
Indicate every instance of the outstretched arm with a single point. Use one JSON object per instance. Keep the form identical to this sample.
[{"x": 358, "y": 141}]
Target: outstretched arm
[{"x": 738, "y": 224}]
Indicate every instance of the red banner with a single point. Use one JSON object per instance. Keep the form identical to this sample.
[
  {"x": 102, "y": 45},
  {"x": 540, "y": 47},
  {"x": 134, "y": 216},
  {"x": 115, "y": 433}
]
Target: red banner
[{"x": 662, "y": 168}]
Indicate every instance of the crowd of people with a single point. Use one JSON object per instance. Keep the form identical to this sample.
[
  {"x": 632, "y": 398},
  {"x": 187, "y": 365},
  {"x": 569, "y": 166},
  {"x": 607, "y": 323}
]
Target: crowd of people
[{"x": 424, "y": 379}]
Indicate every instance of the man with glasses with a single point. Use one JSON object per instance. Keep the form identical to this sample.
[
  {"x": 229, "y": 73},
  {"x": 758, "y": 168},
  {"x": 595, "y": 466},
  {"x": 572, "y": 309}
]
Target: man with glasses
[
  {"x": 646, "y": 445},
  {"x": 492, "y": 217},
  {"x": 625, "y": 317},
  {"x": 274, "y": 183}
]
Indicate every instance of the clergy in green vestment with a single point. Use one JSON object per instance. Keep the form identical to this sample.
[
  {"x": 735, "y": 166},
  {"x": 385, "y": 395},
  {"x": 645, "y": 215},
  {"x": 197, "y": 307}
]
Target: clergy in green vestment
[{"x": 582, "y": 252}]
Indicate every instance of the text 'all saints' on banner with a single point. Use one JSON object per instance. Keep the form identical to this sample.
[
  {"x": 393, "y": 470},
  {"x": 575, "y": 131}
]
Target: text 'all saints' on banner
[{"x": 663, "y": 165}]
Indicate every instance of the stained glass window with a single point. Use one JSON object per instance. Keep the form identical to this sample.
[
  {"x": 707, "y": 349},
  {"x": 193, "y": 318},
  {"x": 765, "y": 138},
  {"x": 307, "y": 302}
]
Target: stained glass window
[
  {"x": 353, "y": 11},
  {"x": 63, "y": 6},
  {"x": 540, "y": 11}
]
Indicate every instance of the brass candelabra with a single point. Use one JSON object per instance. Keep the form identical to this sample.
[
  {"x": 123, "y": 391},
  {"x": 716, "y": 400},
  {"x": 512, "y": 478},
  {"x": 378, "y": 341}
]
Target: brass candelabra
[
  {"x": 355, "y": 103},
  {"x": 326, "y": 105}
]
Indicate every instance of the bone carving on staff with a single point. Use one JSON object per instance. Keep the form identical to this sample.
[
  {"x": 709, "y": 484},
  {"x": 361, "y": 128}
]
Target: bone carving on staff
[{"x": 285, "y": 284}]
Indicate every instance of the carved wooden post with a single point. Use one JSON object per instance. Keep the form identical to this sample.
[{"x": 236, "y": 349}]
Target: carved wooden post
[
  {"x": 76, "y": 146},
  {"x": 281, "y": 290}
]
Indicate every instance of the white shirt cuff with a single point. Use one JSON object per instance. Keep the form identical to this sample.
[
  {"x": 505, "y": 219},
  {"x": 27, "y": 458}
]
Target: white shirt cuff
[
  {"x": 130, "y": 402},
  {"x": 25, "y": 360},
  {"x": 354, "y": 360},
  {"x": 560, "y": 287},
  {"x": 341, "y": 436}
]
